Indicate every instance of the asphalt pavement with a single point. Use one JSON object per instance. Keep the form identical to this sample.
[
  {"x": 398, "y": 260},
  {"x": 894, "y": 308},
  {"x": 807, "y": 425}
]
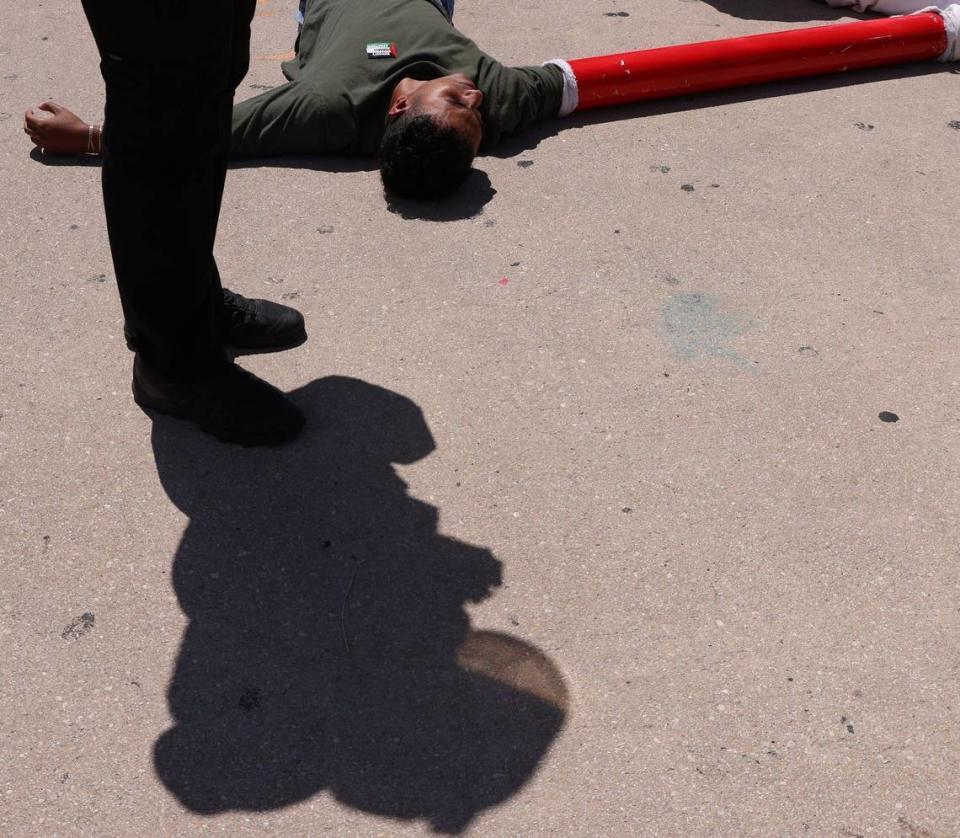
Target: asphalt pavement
[{"x": 628, "y": 503}]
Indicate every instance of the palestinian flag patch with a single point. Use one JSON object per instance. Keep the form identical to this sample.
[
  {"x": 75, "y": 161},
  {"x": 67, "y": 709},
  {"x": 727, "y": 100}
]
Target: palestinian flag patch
[{"x": 381, "y": 49}]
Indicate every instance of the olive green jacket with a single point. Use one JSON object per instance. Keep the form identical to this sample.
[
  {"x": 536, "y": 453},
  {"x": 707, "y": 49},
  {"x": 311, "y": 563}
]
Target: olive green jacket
[{"x": 336, "y": 98}]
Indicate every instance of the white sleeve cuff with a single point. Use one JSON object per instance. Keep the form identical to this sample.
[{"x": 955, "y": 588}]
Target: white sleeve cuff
[{"x": 571, "y": 94}]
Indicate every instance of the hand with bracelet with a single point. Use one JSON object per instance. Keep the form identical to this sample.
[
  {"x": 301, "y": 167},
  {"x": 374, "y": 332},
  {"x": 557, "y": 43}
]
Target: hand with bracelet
[{"x": 63, "y": 132}]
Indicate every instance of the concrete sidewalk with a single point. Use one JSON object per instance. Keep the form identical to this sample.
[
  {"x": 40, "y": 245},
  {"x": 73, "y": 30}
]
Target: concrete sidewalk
[{"x": 596, "y": 529}]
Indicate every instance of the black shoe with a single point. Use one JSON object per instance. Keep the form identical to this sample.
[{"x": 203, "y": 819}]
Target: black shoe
[
  {"x": 232, "y": 405},
  {"x": 249, "y": 326}
]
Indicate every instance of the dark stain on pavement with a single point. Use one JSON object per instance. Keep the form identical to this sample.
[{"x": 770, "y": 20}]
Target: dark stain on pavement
[
  {"x": 887, "y": 416},
  {"x": 525, "y": 164},
  {"x": 616, "y": 14},
  {"x": 687, "y": 187},
  {"x": 79, "y": 627},
  {"x": 913, "y": 831}
]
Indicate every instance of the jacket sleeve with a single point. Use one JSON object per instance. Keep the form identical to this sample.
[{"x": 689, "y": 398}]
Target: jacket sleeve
[
  {"x": 522, "y": 97},
  {"x": 288, "y": 119}
]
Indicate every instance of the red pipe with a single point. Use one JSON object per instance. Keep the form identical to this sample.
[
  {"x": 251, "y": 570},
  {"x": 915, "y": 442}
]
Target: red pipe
[{"x": 713, "y": 65}]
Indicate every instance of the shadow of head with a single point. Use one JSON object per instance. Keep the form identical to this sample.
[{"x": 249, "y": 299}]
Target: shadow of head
[
  {"x": 328, "y": 646},
  {"x": 336, "y": 164},
  {"x": 468, "y": 201},
  {"x": 353, "y": 426},
  {"x": 785, "y": 10}
]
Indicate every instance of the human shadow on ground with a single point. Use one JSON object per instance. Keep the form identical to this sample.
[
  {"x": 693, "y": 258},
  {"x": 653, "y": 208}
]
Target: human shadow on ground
[
  {"x": 328, "y": 647},
  {"x": 785, "y": 10},
  {"x": 89, "y": 160},
  {"x": 468, "y": 201},
  {"x": 316, "y": 163},
  {"x": 319, "y": 163}
]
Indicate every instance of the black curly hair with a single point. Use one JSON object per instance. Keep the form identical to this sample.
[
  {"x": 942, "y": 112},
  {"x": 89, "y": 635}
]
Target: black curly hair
[{"x": 422, "y": 157}]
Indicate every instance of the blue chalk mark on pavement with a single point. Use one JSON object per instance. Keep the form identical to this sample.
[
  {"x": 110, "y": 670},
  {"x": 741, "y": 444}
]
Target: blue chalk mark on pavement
[{"x": 696, "y": 328}]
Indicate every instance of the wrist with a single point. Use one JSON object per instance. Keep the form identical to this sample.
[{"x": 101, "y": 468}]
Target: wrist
[{"x": 94, "y": 139}]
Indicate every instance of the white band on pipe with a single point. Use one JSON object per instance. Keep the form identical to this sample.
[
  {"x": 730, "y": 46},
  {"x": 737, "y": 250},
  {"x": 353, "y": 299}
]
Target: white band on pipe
[
  {"x": 571, "y": 93},
  {"x": 951, "y": 20}
]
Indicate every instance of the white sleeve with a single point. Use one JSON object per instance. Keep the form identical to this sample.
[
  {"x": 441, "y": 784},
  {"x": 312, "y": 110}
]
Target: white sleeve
[{"x": 890, "y": 7}]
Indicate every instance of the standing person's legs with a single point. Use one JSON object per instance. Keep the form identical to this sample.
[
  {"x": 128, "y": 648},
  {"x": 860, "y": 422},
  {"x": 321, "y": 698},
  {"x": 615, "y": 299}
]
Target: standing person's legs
[
  {"x": 167, "y": 66},
  {"x": 170, "y": 69}
]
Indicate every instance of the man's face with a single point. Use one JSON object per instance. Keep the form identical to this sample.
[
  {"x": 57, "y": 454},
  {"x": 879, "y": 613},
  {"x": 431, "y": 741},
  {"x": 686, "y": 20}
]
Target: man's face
[{"x": 453, "y": 100}]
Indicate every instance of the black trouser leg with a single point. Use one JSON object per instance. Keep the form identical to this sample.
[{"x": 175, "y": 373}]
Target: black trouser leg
[{"x": 170, "y": 68}]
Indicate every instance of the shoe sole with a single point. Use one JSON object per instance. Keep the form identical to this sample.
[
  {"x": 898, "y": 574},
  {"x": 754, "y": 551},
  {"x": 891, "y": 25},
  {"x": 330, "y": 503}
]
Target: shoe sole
[
  {"x": 237, "y": 351},
  {"x": 246, "y": 440}
]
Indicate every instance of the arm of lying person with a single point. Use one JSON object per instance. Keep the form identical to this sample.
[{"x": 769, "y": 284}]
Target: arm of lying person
[
  {"x": 56, "y": 130},
  {"x": 289, "y": 119}
]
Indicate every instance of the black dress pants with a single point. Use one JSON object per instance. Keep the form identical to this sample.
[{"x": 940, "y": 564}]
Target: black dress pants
[{"x": 170, "y": 68}]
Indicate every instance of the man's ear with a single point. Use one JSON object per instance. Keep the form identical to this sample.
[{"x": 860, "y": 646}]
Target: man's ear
[{"x": 398, "y": 107}]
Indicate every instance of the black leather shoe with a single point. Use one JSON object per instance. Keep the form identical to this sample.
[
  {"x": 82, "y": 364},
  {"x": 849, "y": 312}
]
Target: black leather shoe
[
  {"x": 233, "y": 405},
  {"x": 249, "y": 326}
]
